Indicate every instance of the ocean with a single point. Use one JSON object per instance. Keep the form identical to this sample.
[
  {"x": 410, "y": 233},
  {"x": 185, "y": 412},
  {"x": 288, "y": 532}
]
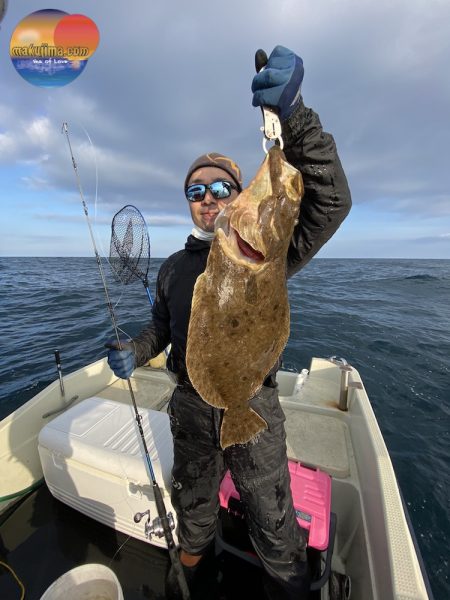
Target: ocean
[{"x": 390, "y": 319}]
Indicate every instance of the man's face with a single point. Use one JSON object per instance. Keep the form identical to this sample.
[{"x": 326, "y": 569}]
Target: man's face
[{"x": 205, "y": 211}]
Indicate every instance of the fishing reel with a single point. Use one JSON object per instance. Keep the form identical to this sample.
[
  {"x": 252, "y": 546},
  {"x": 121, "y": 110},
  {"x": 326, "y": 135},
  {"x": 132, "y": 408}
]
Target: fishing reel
[{"x": 156, "y": 526}]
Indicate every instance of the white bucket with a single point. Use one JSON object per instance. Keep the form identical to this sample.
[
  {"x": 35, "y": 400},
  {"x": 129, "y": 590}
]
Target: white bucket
[{"x": 88, "y": 582}]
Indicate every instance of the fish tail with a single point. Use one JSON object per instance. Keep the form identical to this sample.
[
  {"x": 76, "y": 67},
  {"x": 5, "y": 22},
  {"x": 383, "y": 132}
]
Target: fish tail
[{"x": 239, "y": 426}]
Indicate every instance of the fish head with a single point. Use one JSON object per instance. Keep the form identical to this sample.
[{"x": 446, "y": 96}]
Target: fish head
[{"x": 255, "y": 229}]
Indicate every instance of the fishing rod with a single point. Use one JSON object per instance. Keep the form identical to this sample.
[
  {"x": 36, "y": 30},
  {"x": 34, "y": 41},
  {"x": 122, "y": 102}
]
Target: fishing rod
[{"x": 164, "y": 523}]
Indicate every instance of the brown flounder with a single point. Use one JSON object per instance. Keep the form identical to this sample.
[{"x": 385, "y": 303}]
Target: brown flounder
[{"x": 239, "y": 321}]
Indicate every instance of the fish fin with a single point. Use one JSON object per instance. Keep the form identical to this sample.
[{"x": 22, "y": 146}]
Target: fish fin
[{"x": 239, "y": 426}]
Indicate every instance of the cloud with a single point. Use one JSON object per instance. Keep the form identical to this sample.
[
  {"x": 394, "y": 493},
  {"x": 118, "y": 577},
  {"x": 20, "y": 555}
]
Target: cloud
[
  {"x": 35, "y": 183},
  {"x": 152, "y": 221},
  {"x": 435, "y": 239},
  {"x": 6, "y": 144},
  {"x": 168, "y": 221},
  {"x": 25, "y": 141},
  {"x": 168, "y": 83}
]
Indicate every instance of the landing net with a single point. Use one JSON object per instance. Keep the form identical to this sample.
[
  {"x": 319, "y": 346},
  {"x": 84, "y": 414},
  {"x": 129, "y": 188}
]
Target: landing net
[{"x": 129, "y": 253}]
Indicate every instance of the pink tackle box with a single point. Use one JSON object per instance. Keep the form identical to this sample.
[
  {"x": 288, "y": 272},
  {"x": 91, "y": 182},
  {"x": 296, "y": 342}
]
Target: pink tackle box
[{"x": 311, "y": 492}]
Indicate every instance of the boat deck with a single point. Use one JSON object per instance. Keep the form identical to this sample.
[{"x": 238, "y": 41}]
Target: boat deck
[
  {"x": 42, "y": 538},
  {"x": 316, "y": 430}
]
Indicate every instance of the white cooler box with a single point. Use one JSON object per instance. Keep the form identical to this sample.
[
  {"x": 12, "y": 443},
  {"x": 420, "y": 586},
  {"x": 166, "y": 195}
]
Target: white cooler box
[{"x": 92, "y": 460}]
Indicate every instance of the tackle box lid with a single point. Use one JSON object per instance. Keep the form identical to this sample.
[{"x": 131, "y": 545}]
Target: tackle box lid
[{"x": 311, "y": 492}]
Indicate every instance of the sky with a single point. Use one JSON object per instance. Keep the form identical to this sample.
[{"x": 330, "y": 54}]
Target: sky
[{"x": 171, "y": 80}]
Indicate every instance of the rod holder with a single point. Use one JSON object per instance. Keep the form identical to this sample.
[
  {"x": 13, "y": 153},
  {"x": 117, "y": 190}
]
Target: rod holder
[{"x": 345, "y": 369}]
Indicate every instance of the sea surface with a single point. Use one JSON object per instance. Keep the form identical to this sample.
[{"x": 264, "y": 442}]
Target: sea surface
[{"x": 390, "y": 319}]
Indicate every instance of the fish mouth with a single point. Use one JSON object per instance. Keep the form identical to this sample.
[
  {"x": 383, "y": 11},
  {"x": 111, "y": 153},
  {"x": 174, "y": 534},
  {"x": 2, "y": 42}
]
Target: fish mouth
[
  {"x": 235, "y": 246},
  {"x": 246, "y": 249}
]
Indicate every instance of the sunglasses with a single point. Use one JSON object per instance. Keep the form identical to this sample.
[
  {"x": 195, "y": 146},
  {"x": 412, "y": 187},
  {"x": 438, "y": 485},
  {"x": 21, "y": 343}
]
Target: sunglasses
[{"x": 219, "y": 190}]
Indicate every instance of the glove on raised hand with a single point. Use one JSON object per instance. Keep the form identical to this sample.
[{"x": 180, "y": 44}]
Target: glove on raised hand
[
  {"x": 278, "y": 84},
  {"x": 121, "y": 362}
]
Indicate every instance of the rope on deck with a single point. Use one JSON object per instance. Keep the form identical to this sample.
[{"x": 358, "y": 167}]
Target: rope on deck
[{"x": 20, "y": 584}]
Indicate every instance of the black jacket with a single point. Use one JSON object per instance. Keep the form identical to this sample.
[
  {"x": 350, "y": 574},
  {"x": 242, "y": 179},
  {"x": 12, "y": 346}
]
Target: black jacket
[{"x": 325, "y": 204}]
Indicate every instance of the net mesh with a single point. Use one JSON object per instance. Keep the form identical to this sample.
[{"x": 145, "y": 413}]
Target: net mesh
[{"x": 129, "y": 252}]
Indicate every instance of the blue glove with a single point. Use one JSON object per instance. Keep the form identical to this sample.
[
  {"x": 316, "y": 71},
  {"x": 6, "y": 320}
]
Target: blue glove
[
  {"x": 278, "y": 84},
  {"x": 121, "y": 362}
]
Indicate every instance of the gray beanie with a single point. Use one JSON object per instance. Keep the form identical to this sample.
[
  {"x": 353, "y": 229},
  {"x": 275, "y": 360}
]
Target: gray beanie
[{"x": 213, "y": 159}]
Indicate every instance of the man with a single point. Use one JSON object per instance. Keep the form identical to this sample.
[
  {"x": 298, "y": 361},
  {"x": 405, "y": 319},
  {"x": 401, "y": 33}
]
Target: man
[{"x": 260, "y": 469}]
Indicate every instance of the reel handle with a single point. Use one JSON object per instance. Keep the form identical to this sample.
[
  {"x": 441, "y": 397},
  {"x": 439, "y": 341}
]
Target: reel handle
[{"x": 139, "y": 516}]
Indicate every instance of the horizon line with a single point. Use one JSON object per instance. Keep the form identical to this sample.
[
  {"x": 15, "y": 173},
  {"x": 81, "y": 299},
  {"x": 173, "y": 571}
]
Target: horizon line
[{"x": 313, "y": 258}]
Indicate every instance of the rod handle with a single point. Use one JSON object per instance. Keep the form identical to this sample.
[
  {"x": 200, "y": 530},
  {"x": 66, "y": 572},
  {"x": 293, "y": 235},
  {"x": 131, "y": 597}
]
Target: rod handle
[{"x": 173, "y": 552}]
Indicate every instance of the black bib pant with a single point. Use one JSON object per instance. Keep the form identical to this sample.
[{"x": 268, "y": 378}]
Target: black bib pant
[{"x": 260, "y": 473}]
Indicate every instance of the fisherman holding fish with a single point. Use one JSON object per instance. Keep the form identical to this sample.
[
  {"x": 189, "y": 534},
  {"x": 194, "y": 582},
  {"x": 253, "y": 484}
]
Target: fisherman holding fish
[{"x": 222, "y": 305}]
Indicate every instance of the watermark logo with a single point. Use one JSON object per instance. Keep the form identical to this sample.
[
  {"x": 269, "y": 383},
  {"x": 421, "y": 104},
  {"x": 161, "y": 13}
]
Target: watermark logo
[{"x": 50, "y": 48}]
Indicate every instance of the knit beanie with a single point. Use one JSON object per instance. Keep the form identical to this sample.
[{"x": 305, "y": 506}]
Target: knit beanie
[{"x": 213, "y": 159}]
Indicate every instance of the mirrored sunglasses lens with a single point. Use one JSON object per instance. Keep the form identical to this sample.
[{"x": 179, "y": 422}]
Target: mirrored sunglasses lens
[
  {"x": 194, "y": 193},
  {"x": 220, "y": 189}
]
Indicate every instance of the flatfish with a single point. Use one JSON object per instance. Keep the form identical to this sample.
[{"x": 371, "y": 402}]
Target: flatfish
[{"x": 239, "y": 321}]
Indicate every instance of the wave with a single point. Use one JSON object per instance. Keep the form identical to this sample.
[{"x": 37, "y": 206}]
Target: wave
[{"x": 424, "y": 277}]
